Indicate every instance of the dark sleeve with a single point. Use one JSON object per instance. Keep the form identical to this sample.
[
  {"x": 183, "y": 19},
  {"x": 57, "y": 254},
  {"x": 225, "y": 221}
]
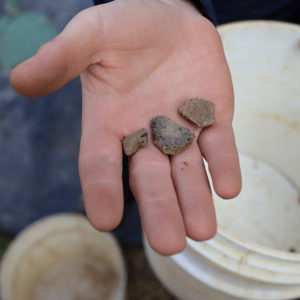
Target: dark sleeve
[{"x": 204, "y": 6}]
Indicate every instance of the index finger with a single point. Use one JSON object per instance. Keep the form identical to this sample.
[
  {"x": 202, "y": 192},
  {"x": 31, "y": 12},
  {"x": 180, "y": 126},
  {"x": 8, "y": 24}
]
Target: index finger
[{"x": 100, "y": 168}]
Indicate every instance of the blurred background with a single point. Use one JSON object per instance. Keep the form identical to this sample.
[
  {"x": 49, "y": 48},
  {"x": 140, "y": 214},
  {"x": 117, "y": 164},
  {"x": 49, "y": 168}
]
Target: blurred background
[{"x": 39, "y": 138}]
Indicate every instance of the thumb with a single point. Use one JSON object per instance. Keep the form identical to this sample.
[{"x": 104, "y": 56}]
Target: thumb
[{"x": 62, "y": 59}]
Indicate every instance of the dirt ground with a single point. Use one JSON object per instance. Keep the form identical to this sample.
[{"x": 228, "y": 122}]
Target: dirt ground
[{"x": 142, "y": 283}]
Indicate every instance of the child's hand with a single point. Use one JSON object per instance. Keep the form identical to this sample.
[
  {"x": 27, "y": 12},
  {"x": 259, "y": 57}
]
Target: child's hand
[{"x": 139, "y": 59}]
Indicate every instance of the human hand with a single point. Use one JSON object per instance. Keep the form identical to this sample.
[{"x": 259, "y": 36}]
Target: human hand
[{"x": 138, "y": 59}]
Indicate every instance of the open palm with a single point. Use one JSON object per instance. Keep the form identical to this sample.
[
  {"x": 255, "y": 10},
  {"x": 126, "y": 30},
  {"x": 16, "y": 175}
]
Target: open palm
[{"x": 139, "y": 59}]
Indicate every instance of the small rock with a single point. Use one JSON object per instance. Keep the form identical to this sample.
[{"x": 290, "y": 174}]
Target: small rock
[
  {"x": 170, "y": 137},
  {"x": 199, "y": 111},
  {"x": 133, "y": 142}
]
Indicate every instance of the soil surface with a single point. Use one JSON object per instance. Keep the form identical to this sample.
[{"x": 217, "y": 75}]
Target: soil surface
[{"x": 142, "y": 283}]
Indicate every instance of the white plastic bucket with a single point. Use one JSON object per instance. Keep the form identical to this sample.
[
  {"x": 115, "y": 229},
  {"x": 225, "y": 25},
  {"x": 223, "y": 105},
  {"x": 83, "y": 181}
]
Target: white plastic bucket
[
  {"x": 62, "y": 257},
  {"x": 254, "y": 254}
]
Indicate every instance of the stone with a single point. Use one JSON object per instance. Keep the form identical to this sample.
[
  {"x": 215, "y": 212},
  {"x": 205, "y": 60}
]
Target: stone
[
  {"x": 170, "y": 137},
  {"x": 133, "y": 142},
  {"x": 199, "y": 111}
]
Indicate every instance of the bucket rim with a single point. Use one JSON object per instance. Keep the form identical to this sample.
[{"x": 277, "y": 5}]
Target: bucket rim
[
  {"x": 260, "y": 249},
  {"x": 255, "y": 23}
]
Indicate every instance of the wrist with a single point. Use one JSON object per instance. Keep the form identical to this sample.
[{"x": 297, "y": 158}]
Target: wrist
[{"x": 204, "y": 7}]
